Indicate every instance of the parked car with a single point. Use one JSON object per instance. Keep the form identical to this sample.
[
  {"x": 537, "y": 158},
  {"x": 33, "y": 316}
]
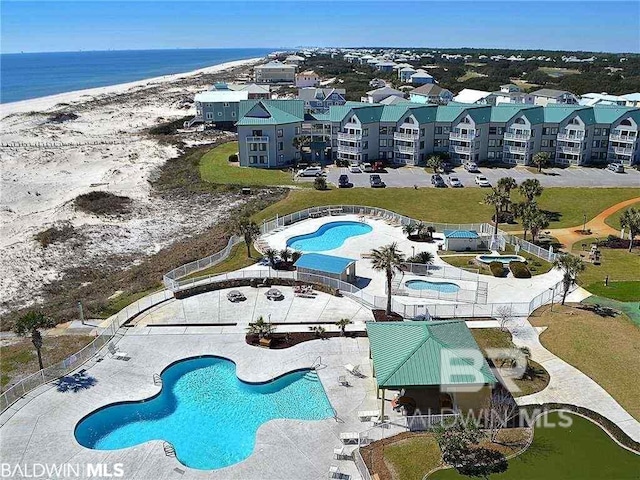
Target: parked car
[
  {"x": 343, "y": 181},
  {"x": 311, "y": 172},
  {"x": 367, "y": 168},
  {"x": 437, "y": 181},
  {"x": 482, "y": 181},
  {"x": 455, "y": 182},
  {"x": 355, "y": 168},
  {"x": 471, "y": 167},
  {"x": 446, "y": 167},
  {"x": 616, "y": 167},
  {"x": 376, "y": 181}
]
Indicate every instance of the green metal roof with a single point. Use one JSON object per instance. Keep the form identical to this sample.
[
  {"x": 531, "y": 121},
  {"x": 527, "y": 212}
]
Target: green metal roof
[
  {"x": 424, "y": 113},
  {"x": 503, "y": 113},
  {"x": 607, "y": 114},
  {"x": 369, "y": 114},
  {"x": 393, "y": 113},
  {"x": 410, "y": 354},
  {"x": 270, "y": 112},
  {"x": 556, "y": 113}
]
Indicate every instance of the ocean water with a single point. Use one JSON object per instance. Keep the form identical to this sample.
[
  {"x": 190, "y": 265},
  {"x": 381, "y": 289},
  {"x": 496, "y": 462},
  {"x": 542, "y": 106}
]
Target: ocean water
[
  {"x": 208, "y": 414},
  {"x": 32, "y": 75}
]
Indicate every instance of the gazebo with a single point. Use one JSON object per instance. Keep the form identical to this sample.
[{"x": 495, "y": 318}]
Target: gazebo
[{"x": 435, "y": 364}]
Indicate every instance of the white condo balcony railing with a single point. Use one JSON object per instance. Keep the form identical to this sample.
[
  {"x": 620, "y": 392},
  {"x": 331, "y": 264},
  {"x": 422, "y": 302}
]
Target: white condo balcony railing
[
  {"x": 515, "y": 149},
  {"x": 262, "y": 139},
  {"x": 617, "y": 136},
  {"x": 525, "y": 137},
  {"x": 349, "y": 136},
  {"x": 407, "y": 150},
  {"x": 407, "y": 137},
  {"x": 459, "y": 149},
  {"x": 571, "y": 137},
  {"x": 345, "y": 149},
  {"x": 565, "y": 149},
  {"x": 621, "y": 150},
  {"x": 462, "y": 136}
]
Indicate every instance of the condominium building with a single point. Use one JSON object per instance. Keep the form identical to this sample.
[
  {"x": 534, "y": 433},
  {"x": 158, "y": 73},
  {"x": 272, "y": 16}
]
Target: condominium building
[
  {"x": 510, "y": 133},
  {"x": 275, "y": 72}
]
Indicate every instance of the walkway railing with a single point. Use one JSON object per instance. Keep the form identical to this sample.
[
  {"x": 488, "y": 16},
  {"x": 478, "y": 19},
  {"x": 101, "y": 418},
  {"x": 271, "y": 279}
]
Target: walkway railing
[{"x": 57, "y": 370}]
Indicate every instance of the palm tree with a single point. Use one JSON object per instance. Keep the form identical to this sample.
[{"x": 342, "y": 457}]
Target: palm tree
[
  {"x": 271, "y": 255},
  {"x": 537, "y": 222},
  {"x": 430, "y": 231},
  {"x": 300, "y": 142},
  {"x": 505, "y": 185},
  {"x": 420, "y": 228},
  {"x": 541, "y": 160},
  {"x": 630, "y": 219},
  {"x": 571, "y": 266},
  {"x": 409, "y": 229},
  {"x": 497, "y": 198},
  {"x": 30, "y": 324},
  {"x": 262, "y": 328},
  {"x": 425, "y": 258},
  {"x": 387, "y": 259},
  {"x": 285, "y": 254},
  {"x": 249, "y": 230},
  {"x": 342, "y": 323},
  {"x": 531, "y": 188}
]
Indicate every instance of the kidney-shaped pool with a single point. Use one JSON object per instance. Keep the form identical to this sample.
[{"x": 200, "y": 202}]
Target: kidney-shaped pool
[{"x": 329, "y": 236}]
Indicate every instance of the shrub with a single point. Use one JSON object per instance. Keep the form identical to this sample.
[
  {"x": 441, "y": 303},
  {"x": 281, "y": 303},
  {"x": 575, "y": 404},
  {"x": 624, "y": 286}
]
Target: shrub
[
  {"x": 497, "y": 269},
  {"x": 519, "y": 270},
  {"x": 168, "y": 128},
  {"x": 233, "y": 157},
  {"x": 55, "y": 234},
  {"x": 320, "y": 183},
  {"x": 102, "y": 203}
]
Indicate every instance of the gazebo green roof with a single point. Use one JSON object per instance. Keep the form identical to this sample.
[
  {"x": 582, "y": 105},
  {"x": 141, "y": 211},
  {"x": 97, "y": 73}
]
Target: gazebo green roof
[{"x": 409, "y": 354}]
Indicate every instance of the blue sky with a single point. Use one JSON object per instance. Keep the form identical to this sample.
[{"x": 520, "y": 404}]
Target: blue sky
[{"x": 100, "y": 25}]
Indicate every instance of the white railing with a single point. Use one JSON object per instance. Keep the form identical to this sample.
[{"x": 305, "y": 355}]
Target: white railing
[
  {"x": 461, "y": 136},
  {"x": 459, "y": 149},
  {"x": 566, "y": 149},
  {"x": 623, "y": 138},
  {"x": 514, "y": 149},
  {"x": 352, "y": 137},
  {"x": 262, "y": 139},
  {"x": 406, "y": 150},
  {"x": 57, "y": 370},
  {"x": 621, "y": 150},
  {"x": 235, "y": 275},
  {"x": 346, "y": 149},
  {"x": 406, "y": 137},
  {"x": 517, "y": 136},
  {"x": 571, "y": 137}
]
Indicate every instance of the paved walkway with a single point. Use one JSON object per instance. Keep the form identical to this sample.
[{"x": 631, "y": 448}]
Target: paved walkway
[{"x": 568, "y": 384}]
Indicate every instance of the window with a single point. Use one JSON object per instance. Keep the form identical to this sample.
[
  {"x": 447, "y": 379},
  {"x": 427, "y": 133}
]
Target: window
[
  {"x": 233, "y": 114},
  {"x": 500, "y": 130},
  {"x": 252, "y": 159},
  {"x": 209, "y": 115},
  {"x": 297, "y": 130},
  {"x": 465, "y": 120},
  {"x": 263, "y": 159},
  {"x": 544, "y": 143},
  {"x": 383, "y": 130},
  {"x": 520, "y": 121},
  {"x": 491, "y": 154},
  {"x": 422, "y": 132},
  {"x": 493, "y": 130},
  {"x": 365, "y": 145},
  {"x": 554, "y": 130},
  {"x": 492, "y": 142},
  {"x": 365, "y": 132},
  {"x": 334, "y": 129},
  {"x": 226, "y": 104},
  {"x": 280, "y": 132},
  {"x": 280, "y": 146},
  {"x": 281, "y": 159},
  {"x": 604, "y": 143},
  {"x": 552, "y": 143},
  {"x": 605, "y": 132},
  {"x": 383, "y": 142},
  {"x": 438, "y": 130},
  {"x": 595, "y": 144},
  {"x": 256, "y": 133},
  {"x": 446, "y": 130},
  {"x": 421, "y": 144},
  {"x": 219, "y": 114},
  {"x": 253, "y": 147},
  {"x": 597, "y": 132}
]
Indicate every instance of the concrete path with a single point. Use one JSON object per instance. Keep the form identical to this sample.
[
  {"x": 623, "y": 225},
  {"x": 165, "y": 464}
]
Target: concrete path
[{"x": 568, "y": 384}]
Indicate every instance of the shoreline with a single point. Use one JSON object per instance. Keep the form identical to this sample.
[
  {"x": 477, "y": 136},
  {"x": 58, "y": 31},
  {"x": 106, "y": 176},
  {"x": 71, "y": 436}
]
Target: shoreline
[{"x": 49, "y": 101}]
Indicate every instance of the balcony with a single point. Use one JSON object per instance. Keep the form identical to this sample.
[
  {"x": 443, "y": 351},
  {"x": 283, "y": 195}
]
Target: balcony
[
  {"x": 406, "y": 150},
  {"x": 617, "y": 136},
  {"x": 515, "y": 149},
  {"x": 350, "y": 137},
  {"x": 346, "y": 149},
  {"x": 523, "y": 137},
  {"x": 459, "y": 149},
  {"x": 566, "y": 149},
  {"x": 462, "y": 136},
  {"x": 621, "y": 150},
  {"x": 571, "y": 137},
  {"x": 257, "y": 139},
  {"x": 406, "y": 137}
]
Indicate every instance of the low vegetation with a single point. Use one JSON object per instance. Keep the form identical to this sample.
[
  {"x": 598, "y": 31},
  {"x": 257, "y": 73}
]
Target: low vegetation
[
  {"x": 614, "y": 220},
  {"x": 519, "y": 270},
  {"x": 102, "y": 203},
  {"x": 56, "y": 234},
  {"x": 601, "y": 343},
  {"x": 236, "y": 260}
]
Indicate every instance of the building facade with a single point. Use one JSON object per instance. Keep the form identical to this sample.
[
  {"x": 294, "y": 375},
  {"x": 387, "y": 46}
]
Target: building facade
[
  {"x": 219, "y": 107},
  {"x": 275, "y": 72},
  {"x": 308, "y": 78}
]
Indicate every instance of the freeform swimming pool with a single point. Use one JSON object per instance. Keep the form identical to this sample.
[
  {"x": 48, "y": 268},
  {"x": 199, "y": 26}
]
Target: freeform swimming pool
[
  {"x": 442, "y": 287},
  {"x": 329, "y": 236},
  {"x": 209, "y": 415},
  {"x": 506, "y": 259}
]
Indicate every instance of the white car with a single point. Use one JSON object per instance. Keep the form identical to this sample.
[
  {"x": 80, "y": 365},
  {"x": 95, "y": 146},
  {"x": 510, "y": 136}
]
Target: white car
[
  {"x": 311, "y": 172},
  {"x": 355, "y": 168},
  {"x": 471, "y": 167},
  {"x": 367, "y": 168},
  {"x": 454, "y": 182},
  {"x": 482, "y": 181}
]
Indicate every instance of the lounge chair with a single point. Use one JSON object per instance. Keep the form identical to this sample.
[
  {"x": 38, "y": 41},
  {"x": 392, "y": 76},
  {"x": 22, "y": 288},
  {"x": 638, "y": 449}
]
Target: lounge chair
[
  {"x": 340, "y": 453},
  {"x": 334, "y": 472},
  {"x": 349, "y": 437},
  {"x": 342, "y": 380},
  {"x": 367, "y": 415},
  {"x": 116, "y": 353},
  {"x": 353, "y": 370}
]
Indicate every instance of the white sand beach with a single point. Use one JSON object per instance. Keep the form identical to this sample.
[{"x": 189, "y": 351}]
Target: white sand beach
[{"x": 105, "y": 148}]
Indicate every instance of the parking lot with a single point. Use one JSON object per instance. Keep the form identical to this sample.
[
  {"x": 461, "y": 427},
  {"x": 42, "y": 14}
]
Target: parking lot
[{"x": 551, "y": 177}]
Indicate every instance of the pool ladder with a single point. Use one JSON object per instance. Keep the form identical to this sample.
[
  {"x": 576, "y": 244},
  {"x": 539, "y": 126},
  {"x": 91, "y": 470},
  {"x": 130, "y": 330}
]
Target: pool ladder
[
  {"x": 169, "y": 451},
  {"x": 157, "y": 380}
]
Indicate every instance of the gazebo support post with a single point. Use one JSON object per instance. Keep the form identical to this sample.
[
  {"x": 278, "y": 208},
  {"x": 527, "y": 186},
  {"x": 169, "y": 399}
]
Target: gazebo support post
[{"x": 382, "y": 409}]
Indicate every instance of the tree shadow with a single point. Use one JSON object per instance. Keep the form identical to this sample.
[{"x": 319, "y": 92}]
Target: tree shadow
[
  {"x": 552, "y": 216},
  {"x": 75, "y": 383}
]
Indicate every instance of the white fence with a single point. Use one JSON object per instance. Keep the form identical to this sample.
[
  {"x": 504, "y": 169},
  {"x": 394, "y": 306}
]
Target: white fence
[
  {"x": 53, "y": 372},
  {"x": 469, "y": 295}
]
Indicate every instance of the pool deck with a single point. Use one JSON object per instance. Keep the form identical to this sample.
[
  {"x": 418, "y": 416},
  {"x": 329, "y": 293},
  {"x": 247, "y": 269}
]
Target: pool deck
[{"x": 42, "y": 430}]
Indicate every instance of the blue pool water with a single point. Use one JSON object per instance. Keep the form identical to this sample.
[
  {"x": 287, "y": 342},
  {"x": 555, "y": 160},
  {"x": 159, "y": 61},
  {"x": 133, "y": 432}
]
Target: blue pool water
[
  {"x": 443, "y": 287},
  {"x": 328, "y": 236},
  {"x": 208, "y": 414},
  {"x": 506, "y": 259}
]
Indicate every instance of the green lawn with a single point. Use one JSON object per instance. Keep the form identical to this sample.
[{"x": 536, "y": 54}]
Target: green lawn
[
  {"x": 618, "y": 264},
  {"x": 628, "y": 291},
  {"x": 630, "y": 309},
  {"x": 450, "y": 205},
  {"x": 614, "y": 220},
  {"x": 582, "y": 451},
  {"x": 413, "y": 457},
  {"x": 216, "y": 168},
  {"x": 236, "y": 260}
]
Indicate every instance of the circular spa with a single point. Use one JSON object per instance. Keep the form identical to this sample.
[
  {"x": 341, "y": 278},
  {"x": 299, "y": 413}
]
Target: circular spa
[
  {"x": 506, "y": 259},
  {"x": 329, "y": 236},
  {"x": 442, "y": 287},
  {"x": 206, "y": 412}
]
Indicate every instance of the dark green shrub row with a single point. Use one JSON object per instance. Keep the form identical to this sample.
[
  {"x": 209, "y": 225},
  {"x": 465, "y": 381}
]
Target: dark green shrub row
[
  {"x": 604, "y": 422},
  {"x": 497, "y": 269},
  {"x": 246, "y": 282},
  {"x": 519, "y": 270}
]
